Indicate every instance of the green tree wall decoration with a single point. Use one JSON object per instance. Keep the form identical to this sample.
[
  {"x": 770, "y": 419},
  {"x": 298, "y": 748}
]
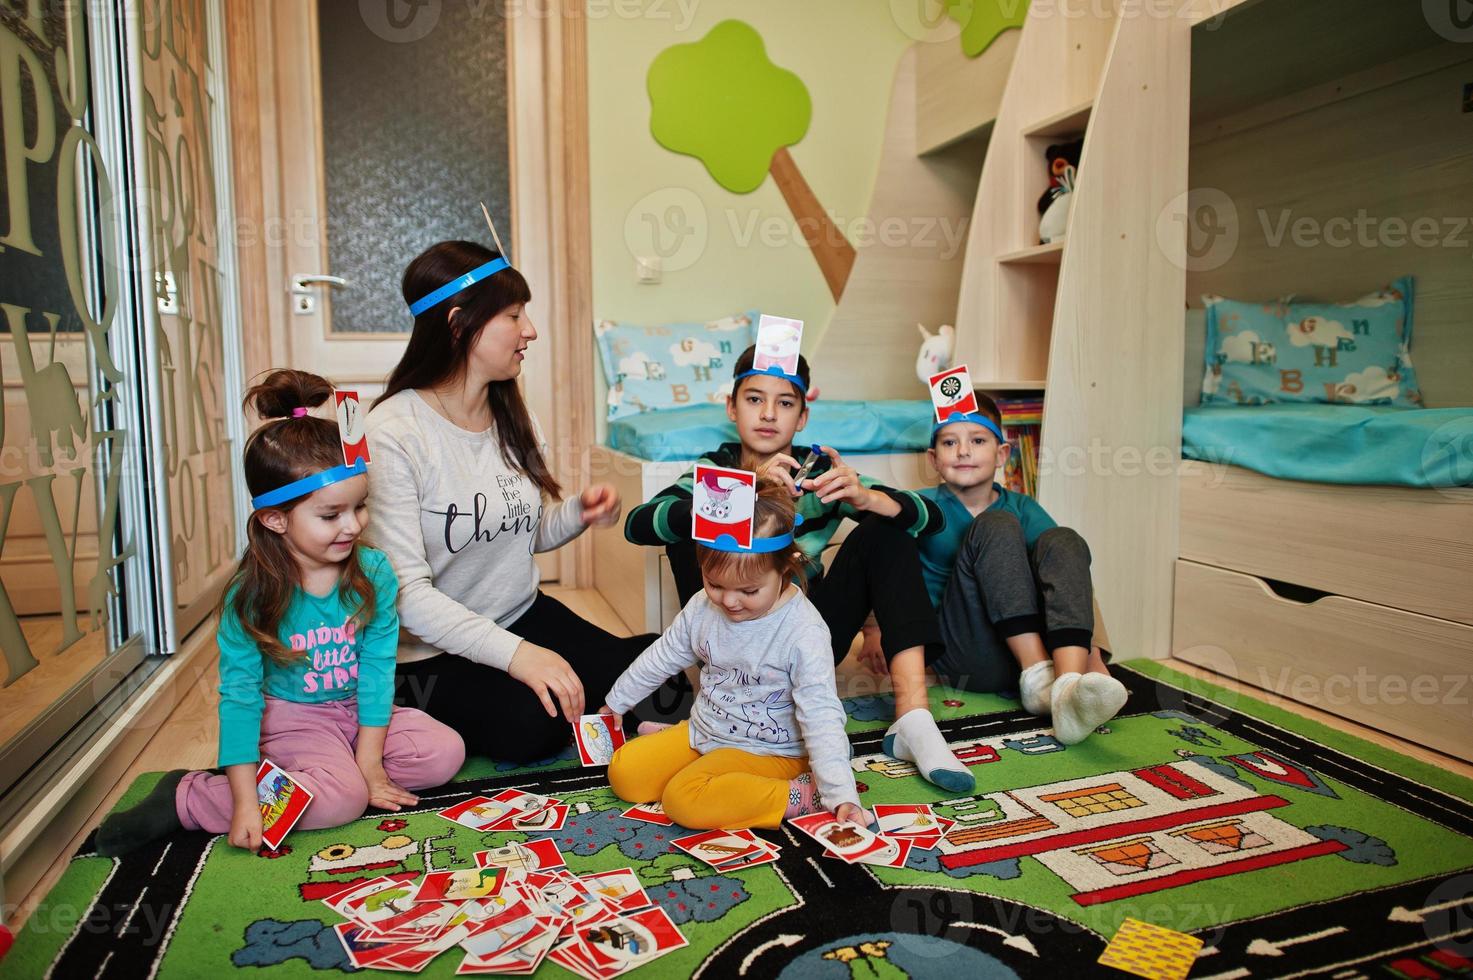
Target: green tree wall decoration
[{"x": 723, "y": 101}]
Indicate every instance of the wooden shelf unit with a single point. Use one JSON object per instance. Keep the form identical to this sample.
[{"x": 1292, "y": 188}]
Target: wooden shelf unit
[
  {"x": 1035, "y": 255},
  {"x": 1094, "y": 318},
  {"x": 1070, "y": 122}
]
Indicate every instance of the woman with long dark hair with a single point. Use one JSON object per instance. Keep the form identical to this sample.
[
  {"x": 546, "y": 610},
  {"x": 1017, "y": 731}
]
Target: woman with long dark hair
[{"x": 465, "y": 498}]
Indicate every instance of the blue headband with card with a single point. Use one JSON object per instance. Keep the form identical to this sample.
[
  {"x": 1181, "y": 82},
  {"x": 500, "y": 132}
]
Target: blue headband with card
[
  {"x": 955, "y": 400},
  {"x": 457, "y": 284},
  {"x": 776, "y": 353},
  {"x": 355, "y": 453},
  {"x": 723, "y": 512},
  {"x": 759, "y": 546},
  {"x": 974, "y": 419},
  {"x": 438, "y": 296}
]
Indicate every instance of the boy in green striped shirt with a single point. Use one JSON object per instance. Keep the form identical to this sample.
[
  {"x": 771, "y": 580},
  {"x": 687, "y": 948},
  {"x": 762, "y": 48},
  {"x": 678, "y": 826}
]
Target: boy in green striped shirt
[{"x": 877, "y": 569}]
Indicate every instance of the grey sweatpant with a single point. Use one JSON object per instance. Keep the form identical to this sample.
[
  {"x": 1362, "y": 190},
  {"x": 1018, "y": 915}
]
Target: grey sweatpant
[{"x": 999, "y": 588}]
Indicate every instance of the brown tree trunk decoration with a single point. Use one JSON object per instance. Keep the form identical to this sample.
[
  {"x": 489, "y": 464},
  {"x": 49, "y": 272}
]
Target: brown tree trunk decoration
[{"x": 831, "y": 249}]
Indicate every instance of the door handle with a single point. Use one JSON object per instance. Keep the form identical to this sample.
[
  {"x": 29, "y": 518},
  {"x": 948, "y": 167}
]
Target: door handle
[{"x": 304, "y": 299}]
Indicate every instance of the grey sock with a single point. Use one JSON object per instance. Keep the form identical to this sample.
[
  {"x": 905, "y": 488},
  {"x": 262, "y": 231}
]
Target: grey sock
[{"x": 156, "y": 816}]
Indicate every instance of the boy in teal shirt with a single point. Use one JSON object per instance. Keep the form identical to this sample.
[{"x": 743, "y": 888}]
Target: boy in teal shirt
[{"x": 1012, "y": 587}]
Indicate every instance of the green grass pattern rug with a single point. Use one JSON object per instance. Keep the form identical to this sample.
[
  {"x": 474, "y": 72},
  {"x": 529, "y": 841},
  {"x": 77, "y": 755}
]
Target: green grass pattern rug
[{"x": 1290, "y": 848}]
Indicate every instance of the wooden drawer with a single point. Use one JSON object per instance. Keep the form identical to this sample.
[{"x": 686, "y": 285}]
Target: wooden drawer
[
  {"x": 1403, "y": 547},
  {"x": 1398, "y": 671}
]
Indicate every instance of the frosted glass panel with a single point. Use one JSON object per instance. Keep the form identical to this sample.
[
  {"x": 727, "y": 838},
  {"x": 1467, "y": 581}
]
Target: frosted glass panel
[{"x": 414, "y": 136}]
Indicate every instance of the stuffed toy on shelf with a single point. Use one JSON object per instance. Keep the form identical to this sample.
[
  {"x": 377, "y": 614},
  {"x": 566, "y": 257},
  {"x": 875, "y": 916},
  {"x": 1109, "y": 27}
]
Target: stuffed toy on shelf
[
  {"x": 1053, "y": 206},
  {"x": 936, "y": 351}
]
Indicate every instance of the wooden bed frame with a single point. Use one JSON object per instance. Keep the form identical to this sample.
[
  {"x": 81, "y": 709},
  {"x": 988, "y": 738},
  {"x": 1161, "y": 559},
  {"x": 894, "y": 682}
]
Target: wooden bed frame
[{"x": 1355, "y": 599}]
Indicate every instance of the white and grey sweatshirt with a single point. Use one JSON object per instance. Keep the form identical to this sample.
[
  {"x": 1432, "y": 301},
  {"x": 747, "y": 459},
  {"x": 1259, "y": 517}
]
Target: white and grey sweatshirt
[
  {"x": 767, "y": 687},
  {"x": 460, "y": 526}
]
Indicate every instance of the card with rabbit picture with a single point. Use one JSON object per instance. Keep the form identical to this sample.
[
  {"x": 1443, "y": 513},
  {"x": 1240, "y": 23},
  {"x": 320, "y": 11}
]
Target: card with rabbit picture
[{"x": 722, "y": 505}]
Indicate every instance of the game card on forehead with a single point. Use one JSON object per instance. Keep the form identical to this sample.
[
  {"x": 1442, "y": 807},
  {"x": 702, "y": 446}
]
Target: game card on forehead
[
  {"x": 951, "y": 393},
  {"x": 778, "y": 342},
  {"x": 351, "y": 430},
  {"x": 723, "y": 503},
  {"x": 598, "y": 738}
]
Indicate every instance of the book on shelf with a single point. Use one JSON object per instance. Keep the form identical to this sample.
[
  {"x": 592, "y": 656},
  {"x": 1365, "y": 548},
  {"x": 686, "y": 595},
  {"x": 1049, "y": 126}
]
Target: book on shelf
[{"x": 1022, "y": 419}]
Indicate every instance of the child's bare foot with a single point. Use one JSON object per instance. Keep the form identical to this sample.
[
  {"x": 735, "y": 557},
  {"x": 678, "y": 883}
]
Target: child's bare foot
[{"x": 650, "y": 727}]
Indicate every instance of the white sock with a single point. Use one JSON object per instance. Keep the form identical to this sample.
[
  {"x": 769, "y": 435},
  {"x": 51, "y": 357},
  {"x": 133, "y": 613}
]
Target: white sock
[
  {"x": 1083, "y": 703},
  {"x": 1034, "y": 684},
  {"x": 915, "y": 738}
]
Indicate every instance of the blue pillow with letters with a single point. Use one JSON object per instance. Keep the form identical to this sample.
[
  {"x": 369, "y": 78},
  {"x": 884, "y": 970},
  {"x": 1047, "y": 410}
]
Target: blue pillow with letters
[
  {"x": 1358, "y": 352},
  {"x": 671, "y": 365}
]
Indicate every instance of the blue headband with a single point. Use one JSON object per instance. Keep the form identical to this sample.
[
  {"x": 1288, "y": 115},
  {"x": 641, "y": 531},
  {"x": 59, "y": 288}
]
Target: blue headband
[
  {"x": 760, "y": 546},
  {"x": 456, "y": 285},
  {"x": 773, "y": 371},
  {"x": 973, "y": 418},
  {"x": 309, "y": 484}
]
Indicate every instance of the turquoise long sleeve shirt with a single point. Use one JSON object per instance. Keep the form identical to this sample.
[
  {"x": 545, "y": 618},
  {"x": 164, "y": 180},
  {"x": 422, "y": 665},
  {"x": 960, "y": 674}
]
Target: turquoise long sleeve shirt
[{"x": 337, "y": 659}]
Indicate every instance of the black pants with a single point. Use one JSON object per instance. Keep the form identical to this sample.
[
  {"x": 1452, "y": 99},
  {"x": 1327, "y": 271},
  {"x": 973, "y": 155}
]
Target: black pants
[
  {"x": 877, "y": 568},
  {"x": 499, "y": 716},
  {"x": 1000, "y": 588}
]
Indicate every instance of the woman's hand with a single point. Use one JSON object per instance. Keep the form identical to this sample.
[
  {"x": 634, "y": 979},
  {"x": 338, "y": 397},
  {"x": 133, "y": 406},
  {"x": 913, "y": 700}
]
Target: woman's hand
[
  {"x": 383, "y": 792},
  {"x": 872, "y": 653},
  {"x": 600, "y": 505},
  {"x": 549, "y": 677},
  {"x": 853, "y": 814},
  {"x": 245, "y": 825}
]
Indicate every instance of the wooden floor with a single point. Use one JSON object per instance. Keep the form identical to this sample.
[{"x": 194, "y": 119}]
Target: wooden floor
[{"x": 188, "y": 739}]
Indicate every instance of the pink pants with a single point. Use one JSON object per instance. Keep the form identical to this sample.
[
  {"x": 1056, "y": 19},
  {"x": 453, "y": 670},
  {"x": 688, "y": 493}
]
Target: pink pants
[{"x": 314, "y": 742}]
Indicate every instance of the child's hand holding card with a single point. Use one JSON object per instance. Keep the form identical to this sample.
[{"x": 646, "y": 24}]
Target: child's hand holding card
[{"x": 598, "y": 737}]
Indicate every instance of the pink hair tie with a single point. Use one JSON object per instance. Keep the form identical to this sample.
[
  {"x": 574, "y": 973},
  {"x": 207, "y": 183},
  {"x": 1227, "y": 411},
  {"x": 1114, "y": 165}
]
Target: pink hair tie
[{"x": 298, "y": 412}]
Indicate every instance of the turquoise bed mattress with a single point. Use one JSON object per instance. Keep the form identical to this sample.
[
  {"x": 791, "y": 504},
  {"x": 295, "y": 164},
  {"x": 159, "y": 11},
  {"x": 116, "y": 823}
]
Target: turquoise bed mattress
[
  {"x": 1427, "y": 447},
  {"x": 850, "y": 427}
]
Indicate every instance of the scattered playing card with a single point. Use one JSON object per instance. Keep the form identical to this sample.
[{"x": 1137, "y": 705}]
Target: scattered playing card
[
  {"x": 541, "y": 821},
  {"x": 718, "y": 846},
  {"x": 906, "y": 819},
  {"x": 895, "y": 854},
  {"x": 762, "y": 856},
  {"x": 521, "y": 959},
  {"x": 520, "y": 858},
  {"x": 619, "y": 889},
  {"x": 1151, "y": 951},
  {"x": 282, "y": 801},
  {"x": 845, "y": 839},
  {"x": 649, "y": 813},
  {"x": 484, "y": 813},
  {"x": 520, "y": 906},
  {"x": 598, "y": 738},
  {"x": 459, "y": 886}
]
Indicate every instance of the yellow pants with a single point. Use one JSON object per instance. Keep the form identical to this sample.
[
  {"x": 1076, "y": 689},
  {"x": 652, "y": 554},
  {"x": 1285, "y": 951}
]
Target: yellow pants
[{"x": 727, "y": 789}]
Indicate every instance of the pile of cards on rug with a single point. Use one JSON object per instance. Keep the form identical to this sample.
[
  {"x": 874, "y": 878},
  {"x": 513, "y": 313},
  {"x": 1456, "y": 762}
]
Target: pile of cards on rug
[
  {"x": 903, "y": 827},
  {"x": 519, "y": 906}
]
